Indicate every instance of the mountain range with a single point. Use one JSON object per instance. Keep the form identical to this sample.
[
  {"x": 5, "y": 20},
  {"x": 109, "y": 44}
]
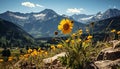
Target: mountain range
[
  {"x": 44, "y": 23},
  {"x": 96, "y": 17}
]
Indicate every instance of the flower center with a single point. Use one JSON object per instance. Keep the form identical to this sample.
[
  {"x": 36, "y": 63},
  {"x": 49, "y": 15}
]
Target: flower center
[{"x": 66, "y": 26}]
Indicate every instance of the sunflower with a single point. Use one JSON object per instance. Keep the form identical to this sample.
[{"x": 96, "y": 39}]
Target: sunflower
[{"x": 65, "y": 26}]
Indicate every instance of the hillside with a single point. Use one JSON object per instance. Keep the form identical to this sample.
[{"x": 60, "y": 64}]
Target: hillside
[
  {"x": 101, "y": 26},
  {"x": 12, "y": 35}
]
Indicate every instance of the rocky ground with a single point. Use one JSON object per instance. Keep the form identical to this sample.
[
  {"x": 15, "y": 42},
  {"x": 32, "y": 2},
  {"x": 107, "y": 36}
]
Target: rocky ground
[{"x": 108, "y": 58}]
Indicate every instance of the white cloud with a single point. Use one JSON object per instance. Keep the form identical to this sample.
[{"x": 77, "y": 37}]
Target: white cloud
[
  {"x": 31, "y": 5},
  {"x": 28, "y": 4},
  {"x": 74, "y": 10},
  {"x": 39, "y": 5}
]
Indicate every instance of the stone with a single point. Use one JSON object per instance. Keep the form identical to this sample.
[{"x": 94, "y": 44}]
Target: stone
[
  {"x": 107, "y": 64},
  {"x": 54, "y": 58},
  {"x": 109, "y": 54},
  {"x": 108, "y": 58}
]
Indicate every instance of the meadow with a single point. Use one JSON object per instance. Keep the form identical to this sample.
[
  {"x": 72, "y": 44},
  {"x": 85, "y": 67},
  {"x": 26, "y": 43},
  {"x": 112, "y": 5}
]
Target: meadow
[{"x": 81, "y": 49}]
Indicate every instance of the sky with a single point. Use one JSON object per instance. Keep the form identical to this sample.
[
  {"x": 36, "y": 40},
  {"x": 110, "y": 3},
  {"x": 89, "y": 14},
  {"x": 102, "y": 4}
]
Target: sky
[{"x": 67, "y": 7}]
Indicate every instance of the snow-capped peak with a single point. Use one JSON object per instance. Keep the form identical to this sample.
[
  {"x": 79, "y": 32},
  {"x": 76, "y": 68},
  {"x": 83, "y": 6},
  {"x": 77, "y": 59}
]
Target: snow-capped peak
[
  {"x": 16, "y": 16},
  {"x": 87, "y": 18},
  {"x": 39, "y": 16},
  {"x": 99, "y": 16}
]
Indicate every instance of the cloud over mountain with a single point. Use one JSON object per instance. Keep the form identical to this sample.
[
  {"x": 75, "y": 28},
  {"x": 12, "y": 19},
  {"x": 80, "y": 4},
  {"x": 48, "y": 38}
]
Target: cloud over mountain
[
  {"x": 74, "y": 10},
  {"x": 31, "y": 5}
]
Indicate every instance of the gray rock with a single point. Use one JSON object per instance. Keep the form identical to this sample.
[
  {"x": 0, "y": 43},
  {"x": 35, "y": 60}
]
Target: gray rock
[
  {"x": 108, "y": 58},
  {"x": 109, "y": 54}
]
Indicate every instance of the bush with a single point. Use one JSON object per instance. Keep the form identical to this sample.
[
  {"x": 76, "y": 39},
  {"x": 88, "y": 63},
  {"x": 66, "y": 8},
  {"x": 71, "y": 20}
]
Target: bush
[{"x": 6, "y": 53}]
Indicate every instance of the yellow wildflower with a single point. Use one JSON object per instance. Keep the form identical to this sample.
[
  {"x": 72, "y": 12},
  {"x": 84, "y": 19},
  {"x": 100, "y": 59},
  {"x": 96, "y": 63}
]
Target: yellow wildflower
[
  {"x": 29, "y": 50},
  {"x": 118, "y": 32},
  {"x": 83, "y": 43},
  {"x": 46, "y": 53},
  {"x": 26, "y": 55},
  {"x": 80, "y": 31},
  {"x": 67, "y": 40},
  {"x": 10, "y": 59},
  {"x": 79, "y": 40},
  {"x": 53, "y": 47},
  {"x": 59, "y": 46},
  {"x": 112, "y": 31},
  {"x": 89, "y": 40},
  {"x": 89, "y": 37},
  {"x": 72, "y": 41},
  {"x": 65, "y": 26},
  {"x": 34, "y": 52},
  {"x": 25, "y": 59},
  {"x": 73, "y": 35},
  {"x": 1, "y": 60},
  {"x": 21, "y": 57}
]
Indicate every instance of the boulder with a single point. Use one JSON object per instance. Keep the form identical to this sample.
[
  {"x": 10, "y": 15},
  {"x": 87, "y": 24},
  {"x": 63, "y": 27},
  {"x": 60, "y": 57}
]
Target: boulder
[
  {"x": 53, "y": 62},
  {"x": 107, "y": 64},
  {"x": 108, "y": 58},
  {"x": 109, "y": 54},
  {"x": 54, "y": 58}
]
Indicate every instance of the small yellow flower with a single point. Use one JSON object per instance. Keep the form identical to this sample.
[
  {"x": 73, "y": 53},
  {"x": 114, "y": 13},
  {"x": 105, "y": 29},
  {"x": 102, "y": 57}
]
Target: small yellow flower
[
  {"x": 83, "y": 43},
  {"x": 42, "y": 51},
  {"x": 26, "y": 55},
  {"x": 29, "y": 50},
  {"x": 1, "y": 60},
  {"x": 21, "y": 57},
  {"x": 79, "y": 40},
  {"x": 10, "y": 59},
  {"x": 59, "y": 46},
  {"x": 113, "y": 31},
  {"x": 89, "y": 40},
  {"x": 73, "y": 35},
  {"x": 118, "y": 32},
  {"x": 32, "y": 54},
  {"x": 72, "y": 41},
  {"x": 89, "y": 37},
  {"x": 52, "y": 47},
  {"x": 25, "y": 59},
  {"x": 46, "y": 53},
  {"x": 65, "y": 26},
  {"x": 35, "y": 52},
  {"x": 67, "y": 40},
  {"x": 80, "y": 31}
]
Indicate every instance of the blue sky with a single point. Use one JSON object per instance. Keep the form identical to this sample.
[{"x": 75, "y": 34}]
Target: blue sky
[{"x": 67, "y": 7}]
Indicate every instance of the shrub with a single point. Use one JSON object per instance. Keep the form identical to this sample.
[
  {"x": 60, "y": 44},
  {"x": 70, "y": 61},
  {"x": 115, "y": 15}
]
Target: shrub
[{"x": 6, "y": 53}]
